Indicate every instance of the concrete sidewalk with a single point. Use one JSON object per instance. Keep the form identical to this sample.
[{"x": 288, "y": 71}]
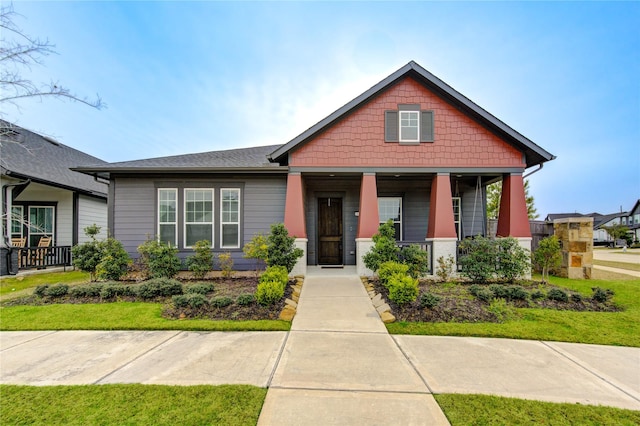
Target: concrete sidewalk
[{"x": 337, "y": 365}]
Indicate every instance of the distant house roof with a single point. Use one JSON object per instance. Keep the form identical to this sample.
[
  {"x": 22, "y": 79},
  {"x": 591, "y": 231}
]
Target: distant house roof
[
  {"x": 553, "y": 216},
  {"x": 534, "y": 154},
  {"x": 243, "y": 159},
  {"x": 28, "y": 155},
  {"x": 598, "y": 219}
]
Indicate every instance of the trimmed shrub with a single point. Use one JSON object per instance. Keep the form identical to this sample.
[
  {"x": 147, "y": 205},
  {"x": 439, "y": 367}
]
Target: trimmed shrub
[
  {"x": 115, "y": 260},
  {"x": 57, "y": 290},
  {"x": 557, "y": 295},
  {"x": 88, "y": 290},
  {"x": 402, "y": 289},
  {"x": 499, "y": 291},
  {"x": 199, "y": 288},
  {"x": 269, "y": 292},
  {"x": 389, "y": 269},
  {"x": 40, "y": 290},
  {"x": 276, "y": 273},
  {"x": 513, "y": 260},
  {"x": 87, "y": 256},
  {"x": 221, "y": 301},
  {"x": 281, "y": 250},
  {"x": 109, "y": 291},
  {"x": 537, "y": 295},
  {"x": 196, "y": 300},
  {"x": 479, "y": 259},
  {"x": 180, "y": 301},
  {"x": 517, "y": 292},
  {"x": 601, "y": 295},
  {"x": 475, "y": 288},
  {"x": 481, "y": 293},
  {"x": 576, "y": 297},
  {"x": 159, "y": 287},
  {"x": 245, "y": 299},
  {"x": 160, "y": 260},
  {"x": 416, "y": 259},
  {"x": 202, "y": 261},
  {"x": 384, "y": 247},
  {"x": 429, "y": 300}
]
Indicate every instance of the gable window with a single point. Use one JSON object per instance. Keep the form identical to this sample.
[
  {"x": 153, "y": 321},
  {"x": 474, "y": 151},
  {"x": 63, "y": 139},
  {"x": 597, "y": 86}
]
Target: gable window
[
  {"x": 168, "y": 216},
  {"x": 457, "y": 215},
  {"x": 198, "y": 216},
  {"x": 391, "y": 208},
  {"x": 41, "y": 223},
  {"x": 408, "y": 124},
  {"x": 230, "y": 218}
]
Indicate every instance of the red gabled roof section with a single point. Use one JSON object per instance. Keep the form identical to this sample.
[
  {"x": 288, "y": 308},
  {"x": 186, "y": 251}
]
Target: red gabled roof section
[{"x": 465, "y": 134}]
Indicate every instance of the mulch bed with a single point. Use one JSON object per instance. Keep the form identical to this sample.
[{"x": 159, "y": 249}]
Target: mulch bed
[{"x": 458, "y": 305}]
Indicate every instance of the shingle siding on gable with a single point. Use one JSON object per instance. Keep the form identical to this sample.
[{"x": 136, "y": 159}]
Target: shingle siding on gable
[{"x": 359, "y": 139}]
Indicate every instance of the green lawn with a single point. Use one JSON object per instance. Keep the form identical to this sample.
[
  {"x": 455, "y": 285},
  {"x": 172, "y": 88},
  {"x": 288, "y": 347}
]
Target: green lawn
[
  {"x": 605, "y": 328},
  {"x": 131, "y": 405},
  {"x": 117, "y": 316},
  {"x": 493, "y": 410},
  {"x": 10, "y": 285}
]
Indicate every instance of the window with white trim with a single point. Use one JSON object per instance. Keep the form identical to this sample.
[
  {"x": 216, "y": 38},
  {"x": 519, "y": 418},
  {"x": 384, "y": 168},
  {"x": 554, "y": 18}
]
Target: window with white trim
[
  {"x": 391, "y": 208},
  {"x": 230, "y": 218},
  {"x": 168, "y": 216},
  {"x": 457, "y": 215},
  {"x": 17, "y": 219},
  {"x": 41, "y": 223},
  {"x": 198, "y": 216},
  {"x": 409, "y": 126}
]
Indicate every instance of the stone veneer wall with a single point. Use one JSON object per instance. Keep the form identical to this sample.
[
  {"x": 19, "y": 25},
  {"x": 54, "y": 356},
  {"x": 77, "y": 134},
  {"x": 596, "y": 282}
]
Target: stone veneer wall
[{"x": 576, "y": 241}]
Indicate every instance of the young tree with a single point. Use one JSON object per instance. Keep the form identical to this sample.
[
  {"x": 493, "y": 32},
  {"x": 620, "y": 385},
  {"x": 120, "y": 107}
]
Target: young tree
[
  {"x": 281, "y": 250},
  {"x": 616, "y": 231},
  {"x": 547, "y": 255},
  {"x": 494, "y": 191}
]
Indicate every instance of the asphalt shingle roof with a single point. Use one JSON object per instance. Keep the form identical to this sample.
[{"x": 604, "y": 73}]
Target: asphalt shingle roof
[{"x": 25, "y": 154}]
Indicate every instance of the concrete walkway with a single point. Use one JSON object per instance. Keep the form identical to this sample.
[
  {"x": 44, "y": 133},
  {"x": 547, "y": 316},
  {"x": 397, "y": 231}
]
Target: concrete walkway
[{"x": 337, "y": 365}]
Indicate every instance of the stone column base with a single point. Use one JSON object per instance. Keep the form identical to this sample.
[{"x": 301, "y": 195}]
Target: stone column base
[
  {"x": 443, "y": 247},
  {"x": 363, "y": 246},
  {"x": 300, "y": 267}
]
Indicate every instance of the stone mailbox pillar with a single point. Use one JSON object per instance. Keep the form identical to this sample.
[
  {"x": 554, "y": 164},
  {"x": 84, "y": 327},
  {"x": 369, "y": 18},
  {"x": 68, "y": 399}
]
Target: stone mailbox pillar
[{"x": 576, "y": 241}]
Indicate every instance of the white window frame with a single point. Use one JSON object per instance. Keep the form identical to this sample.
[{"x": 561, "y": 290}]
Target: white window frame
[
  {"x": 223, "y": 222},
  {"x": 19, "y": 221},
  {"x": 399, "y": 222},
  {"x": 175, "y": 222},
  {"x": 457, "y": 216},
  {"x": 33, "y": 231},
  {"x": 409, "y": 114},
  {"x": 213, "y": 209}
]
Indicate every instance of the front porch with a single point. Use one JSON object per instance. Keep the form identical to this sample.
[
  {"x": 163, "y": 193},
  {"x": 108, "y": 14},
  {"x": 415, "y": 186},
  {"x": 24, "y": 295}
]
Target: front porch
[
  {"x": 21, "y": 259},
  {"x": 333, "y": 216}
]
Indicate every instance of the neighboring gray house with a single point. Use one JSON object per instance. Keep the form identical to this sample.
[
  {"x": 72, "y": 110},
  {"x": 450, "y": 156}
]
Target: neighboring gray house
[
  {"x": 411, "y": 149},
  {"x": 45, "y": 197}
]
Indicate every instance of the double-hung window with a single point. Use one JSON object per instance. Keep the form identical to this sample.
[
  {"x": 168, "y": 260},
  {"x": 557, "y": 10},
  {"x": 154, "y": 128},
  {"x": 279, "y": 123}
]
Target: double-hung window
[
  {"x": 168, "y": 216},
  {"x": 198, "y": 216},
  {"x": 391, "y": 208},
  {"x": 409, "y": 126},
  {"x": 230, "y": 218}
]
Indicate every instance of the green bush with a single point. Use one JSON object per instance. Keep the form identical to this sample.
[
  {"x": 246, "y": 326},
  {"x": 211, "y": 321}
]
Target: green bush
[
  {"x": 159, "y": 287},
  {"x": 257, "y": 249},
  {"x": 513, "y": 260},
  {"x": 537, "y": 295},
  {"x": 115, "y": 260},
  {"x": 517, "y": 292},
  {"x": 390, "y": 268},
  {"x": 479, "y": 259},
  {"x": 429, "y": 300},
  {"x": 601, "y": 295},
  {"x": 225, "y": 261},
  {"x": 445, "y": 267},
  {"x": 57, "y": 290},
  {"x": 202, "y": 261},
  {"x": 576, "y": 297},
  {"x": 416, "y": 259},
  {"x": 269, "y": 292},
  {"x": 481, "y": 293},
  {"x": 548, "y": 255},
  {"x": 281, "y": 250},
  {"x": 41, "y": 290},
  {"x": 88, "y": 290},
  {"x": 276, "y": 273},
  {"x": 557, "y": 295},
  {"x": 402, "y": 289},
  {"x": 109, "y": 291},
  {"x": 499, "y": 291},
  {"x": 475, "y": 288},
  {"x": 158, "y": 259},
  {"x": 384, "y": 247},
  {"x": 87, "y": 256},
  {"x": 245, "y": 299},
  {"x": 221, "y": 301},
  {"x": 196, "y": 300},
  {"x": 180, "y": 301},
  {"x": 501, "y": 310},
  {"x": 199, "y": 288}
]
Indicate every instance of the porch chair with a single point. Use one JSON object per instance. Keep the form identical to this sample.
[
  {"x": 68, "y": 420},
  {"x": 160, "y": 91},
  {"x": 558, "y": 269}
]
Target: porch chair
[
  {"x": 38, "y": 254},
  {"x": 19, "y": 243}
]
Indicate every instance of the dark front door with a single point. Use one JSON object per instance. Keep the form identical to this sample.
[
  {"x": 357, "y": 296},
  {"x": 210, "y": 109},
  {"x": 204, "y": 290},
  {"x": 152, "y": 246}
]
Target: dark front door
[{"x": 330, "y": 231}]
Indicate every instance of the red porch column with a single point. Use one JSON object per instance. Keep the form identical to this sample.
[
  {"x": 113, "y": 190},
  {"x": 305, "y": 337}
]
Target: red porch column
[
  {"x": 441, "y": 223},
  {"x": 369, "y": 219},
  {"x": 294, "y": 219},
  {"x": 513, "y": 220}
]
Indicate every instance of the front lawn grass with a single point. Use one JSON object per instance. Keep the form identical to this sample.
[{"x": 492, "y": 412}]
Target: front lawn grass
[
  {"x": 494, "y": 410},
  {"x": 604, "y": 328},
  {"x": 15, "y": 284},
  {"x": 117, "y": 316},
  {"x": 131, "y": 404}
]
